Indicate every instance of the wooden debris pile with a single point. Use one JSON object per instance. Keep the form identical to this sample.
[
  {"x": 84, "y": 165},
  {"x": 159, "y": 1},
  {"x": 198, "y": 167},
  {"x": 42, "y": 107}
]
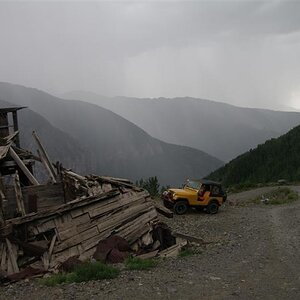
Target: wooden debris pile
[
  {"x": 45, "y": 239},
  {"x": 43, "y": 226}
]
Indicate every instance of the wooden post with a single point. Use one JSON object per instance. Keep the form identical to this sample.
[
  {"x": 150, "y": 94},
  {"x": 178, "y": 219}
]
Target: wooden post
[
  {"x": 44, "y": 154},
  {"x": 19, "y": 196},
  {"x": 2, "y": 198},
  {"x": 22, "y": 166},
  {"x": 47, "y": 255},
  {"x": 4, "y": 127},
  {"x": 44, "y": 162},
  {"x": 2, "y": 220},
  {"x": 16, "y": 127}
]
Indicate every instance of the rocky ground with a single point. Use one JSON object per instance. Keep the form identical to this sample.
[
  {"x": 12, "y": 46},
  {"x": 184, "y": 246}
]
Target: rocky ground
[{"x": 254, "y": 254}]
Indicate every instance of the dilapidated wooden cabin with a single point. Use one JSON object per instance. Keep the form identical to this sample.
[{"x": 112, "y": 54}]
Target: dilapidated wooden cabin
[{"x": 43, "y": 225}]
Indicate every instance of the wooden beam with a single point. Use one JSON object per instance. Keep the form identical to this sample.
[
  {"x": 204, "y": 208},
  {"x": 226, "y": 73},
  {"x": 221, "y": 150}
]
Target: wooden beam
[
  {"x": 173, "y": 251},
  {"x": 2, "y": 197},
  {"x": 48, "y": 255},
  {"x": 3, "y": 257},
  {"x": 12, "y": 257},
  {"x": 19, "y": 195},
  {"x": 44, "y": 154},
  {"x": 22, "y": 166},
  {"x": 76, "y": 176},
  {"x": 163, "y": 210},
  {"x": 44, "y": 162}
]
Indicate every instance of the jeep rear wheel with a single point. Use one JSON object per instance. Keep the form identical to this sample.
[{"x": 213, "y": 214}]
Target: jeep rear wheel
[
  {"x": 212, "y": 207},
  {"x": 180, "y": 207}
]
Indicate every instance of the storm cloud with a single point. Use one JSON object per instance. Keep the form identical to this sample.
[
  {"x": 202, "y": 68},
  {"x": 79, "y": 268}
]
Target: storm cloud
[{"x": 240, "y": 52}]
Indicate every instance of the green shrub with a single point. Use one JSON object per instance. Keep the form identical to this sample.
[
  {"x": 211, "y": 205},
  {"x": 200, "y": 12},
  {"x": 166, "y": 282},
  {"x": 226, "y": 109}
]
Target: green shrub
[
  {"x": 186, "y": 252},
  {"x": 54, "y": 279},
  {"x": 282, "y": 195},
  {"x": 134, "y": 263},
  {"x": 85, "y": 272}
]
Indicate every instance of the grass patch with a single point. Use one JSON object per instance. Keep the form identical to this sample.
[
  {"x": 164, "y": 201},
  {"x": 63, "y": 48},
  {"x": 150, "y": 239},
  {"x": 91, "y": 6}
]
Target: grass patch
[
  {"x": 134, "y": 263},
  {"x": 282, "y": 195},
  {"x": 186, "y": 252},
  {"x": 85, "y": 272}
]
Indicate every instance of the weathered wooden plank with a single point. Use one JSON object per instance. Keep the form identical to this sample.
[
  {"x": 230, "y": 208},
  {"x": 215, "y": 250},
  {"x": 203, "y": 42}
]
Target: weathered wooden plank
[
  {"x": 62, "y": 256},
  {"x": 77, "y": 239},
  {"x": 104, "y": 208},
  {"x": 63, "y": 220},
  {"x": 2, "y": 198},
  {"x": 64, "y": 208},
  {"x": 173, "y": 251},
  {"x": 93, "y": 242},
  {"x": 3, "y": 265},
  {"x": 45, "y": 157},
  {"x": 67, "y": 230},
  {"x": 18, "y": 194},
  {"x": 67, "y": 233},
  {"x": 48, "y": 255},
  {"x": 163, "y": 210},
  {"x": 147, "y": 216},
  {"x": 1, "y": 249},
  {"x": 52, "y": 244},
  {"x": 123, "y": 217},
  {"x": 4, "y": 150},
  {"x": 45, "y": 164},
  {"x": 136, "y": 228},
  {"x": 46, "y": 226},
  {"x": 77, "y": 212},
  {"x": 190, "y": 238},
  {"x": 10, "y": 269},
  {"x": 22, "y": 166},
  {"x": 12, "y": 256}
]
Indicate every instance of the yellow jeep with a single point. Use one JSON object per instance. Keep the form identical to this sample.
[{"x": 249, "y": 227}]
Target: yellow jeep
[{"x": 201, "y": 194}]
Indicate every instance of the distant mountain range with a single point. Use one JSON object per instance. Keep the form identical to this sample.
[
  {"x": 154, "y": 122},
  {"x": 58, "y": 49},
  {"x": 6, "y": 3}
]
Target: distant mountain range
[
  {"x": 93, "y": 139},
  {"x": 219, "y": 129},
  {"x": 274, "y": 160}
]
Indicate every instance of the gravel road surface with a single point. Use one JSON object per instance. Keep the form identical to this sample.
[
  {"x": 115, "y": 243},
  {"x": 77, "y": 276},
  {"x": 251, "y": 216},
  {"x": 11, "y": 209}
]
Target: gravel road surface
[{"x": 254, "y": 254}]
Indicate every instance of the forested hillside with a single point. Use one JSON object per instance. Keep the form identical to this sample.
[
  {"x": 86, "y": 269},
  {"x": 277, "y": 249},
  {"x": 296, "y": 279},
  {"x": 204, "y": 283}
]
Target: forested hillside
[{"x": 275, "y": 159}]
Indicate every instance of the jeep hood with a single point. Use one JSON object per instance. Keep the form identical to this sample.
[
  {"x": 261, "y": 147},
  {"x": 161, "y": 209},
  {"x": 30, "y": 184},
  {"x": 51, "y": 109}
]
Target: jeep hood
[{"x": 182, "y": 192}]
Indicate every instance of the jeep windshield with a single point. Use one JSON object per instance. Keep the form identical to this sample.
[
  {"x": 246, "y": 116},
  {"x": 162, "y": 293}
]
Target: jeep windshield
[{"x": 192, "y": 184}]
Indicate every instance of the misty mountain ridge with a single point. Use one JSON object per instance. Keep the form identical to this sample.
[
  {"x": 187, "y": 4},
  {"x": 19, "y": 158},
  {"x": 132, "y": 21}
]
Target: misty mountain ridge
[
  {"x": 221, "y": 129},
  {"x": 119, "y": 148}
]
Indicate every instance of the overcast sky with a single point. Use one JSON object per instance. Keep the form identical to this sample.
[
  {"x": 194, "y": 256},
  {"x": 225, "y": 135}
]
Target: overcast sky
[{"x": 242, "y": 52}]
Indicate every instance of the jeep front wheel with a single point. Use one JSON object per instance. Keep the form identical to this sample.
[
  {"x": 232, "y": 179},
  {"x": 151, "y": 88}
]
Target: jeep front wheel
[
  {"x": 212, "y": 207},
  {"x": 180, "y": 207}
]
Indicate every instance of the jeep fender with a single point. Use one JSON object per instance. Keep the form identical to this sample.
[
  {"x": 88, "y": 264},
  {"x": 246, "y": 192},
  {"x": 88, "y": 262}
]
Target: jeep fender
[
  {"x": 182, "y": 199},
  {"x": 214, "y": 200}
]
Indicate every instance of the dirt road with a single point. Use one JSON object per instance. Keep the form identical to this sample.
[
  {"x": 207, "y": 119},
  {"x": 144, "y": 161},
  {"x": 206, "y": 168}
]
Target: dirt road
[{"x": 255, "y": 254}]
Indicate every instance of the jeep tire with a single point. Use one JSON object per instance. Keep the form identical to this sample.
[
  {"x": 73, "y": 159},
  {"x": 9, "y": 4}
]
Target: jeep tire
[
  {"x": 180, "y": 207},
  {"x": 212, "y": 207}
]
